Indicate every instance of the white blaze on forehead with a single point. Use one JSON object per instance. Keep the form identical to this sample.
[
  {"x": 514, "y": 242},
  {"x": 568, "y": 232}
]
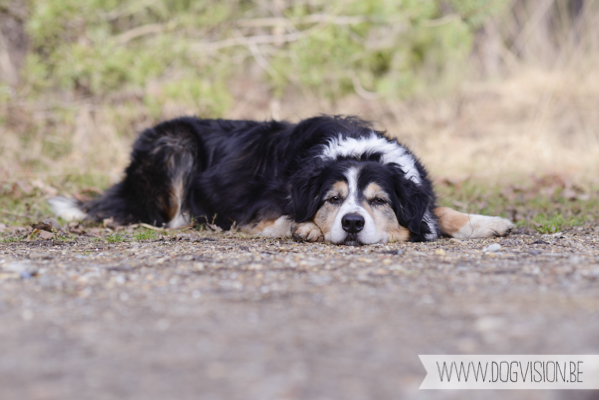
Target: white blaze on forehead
[
  {"x": 391, "y": 152},
  {"x": 352, "y": 182},
  {"x": 351, "y": 205}
]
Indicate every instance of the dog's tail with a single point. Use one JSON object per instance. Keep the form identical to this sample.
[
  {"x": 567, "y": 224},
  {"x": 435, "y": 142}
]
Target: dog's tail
[{"x": 67, "y": 209}]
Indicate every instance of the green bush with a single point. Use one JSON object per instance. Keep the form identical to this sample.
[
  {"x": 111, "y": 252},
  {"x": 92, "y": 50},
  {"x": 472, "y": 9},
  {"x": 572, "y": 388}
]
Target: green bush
[{"x": 391, "y": 48}]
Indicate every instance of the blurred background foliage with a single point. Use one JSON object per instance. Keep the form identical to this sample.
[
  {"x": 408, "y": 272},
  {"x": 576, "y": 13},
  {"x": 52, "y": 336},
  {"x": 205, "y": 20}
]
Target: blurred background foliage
[
  {"x": 100, "y": 47},
  {"x": 77, "y": 76}
]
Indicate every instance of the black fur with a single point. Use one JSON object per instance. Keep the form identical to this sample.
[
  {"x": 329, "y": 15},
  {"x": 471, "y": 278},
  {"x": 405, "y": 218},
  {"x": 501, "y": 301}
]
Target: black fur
[{"x": 246, "y": 171}]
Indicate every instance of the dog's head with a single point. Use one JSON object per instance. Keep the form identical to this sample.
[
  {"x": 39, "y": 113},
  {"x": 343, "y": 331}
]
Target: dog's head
[{"x": 365, "y": 190}]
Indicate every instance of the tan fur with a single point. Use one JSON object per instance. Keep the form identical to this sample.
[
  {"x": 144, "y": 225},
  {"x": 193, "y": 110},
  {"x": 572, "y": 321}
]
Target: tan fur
[
  {"x": 174, "y": 204},
  {"x": 471, "y": 226},
  {"x": 383, "y": 215},
  {"x": 306, "y": 231},
  {"x": 341, "y": 190},
  {"x": 279, "y": 227},
  {"x": 259, "y": 227},
  {"x": 450, "y": 220},
  {"x": 325, "y": 216},
  {"x": 373, "y": 190}
]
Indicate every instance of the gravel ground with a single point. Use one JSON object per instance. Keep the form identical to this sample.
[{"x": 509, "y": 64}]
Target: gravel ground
[{"x": 198, "y": 315}]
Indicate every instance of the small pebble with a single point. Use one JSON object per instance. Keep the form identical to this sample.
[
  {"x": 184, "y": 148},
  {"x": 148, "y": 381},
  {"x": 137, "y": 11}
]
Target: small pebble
[{"x": 492, "y": 248}]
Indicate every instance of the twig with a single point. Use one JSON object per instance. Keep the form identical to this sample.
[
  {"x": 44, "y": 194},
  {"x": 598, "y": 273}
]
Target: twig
[
  {"x": 531, "y": 25},
  {"x": 261, "y": 61},
  {"x": 360, "y": 89},
  {"x": 250, "y": 40},
  {"x": 150, "y": 227},
  {"x": 139, "y": 31},
  {"x": 440, "y": 21},
  {"x": 309, "y": 19}
]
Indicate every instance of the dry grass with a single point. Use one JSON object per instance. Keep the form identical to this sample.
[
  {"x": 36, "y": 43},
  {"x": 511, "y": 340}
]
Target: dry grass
[
  {"x": 534, "y": 122},
  {"x": 529, "y": 108},
  {"x": 484, "y": 146}
]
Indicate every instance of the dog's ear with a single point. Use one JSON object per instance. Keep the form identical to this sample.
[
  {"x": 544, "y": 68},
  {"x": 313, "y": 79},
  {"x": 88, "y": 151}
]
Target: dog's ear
[
  {"x": 305, "y": 191},
  {"x": 413, "y": 204}
]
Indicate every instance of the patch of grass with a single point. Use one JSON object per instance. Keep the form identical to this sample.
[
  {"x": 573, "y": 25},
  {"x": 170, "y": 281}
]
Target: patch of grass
[
  {"x": 548, "y": 224},
  {"x": 546, "y": 204},
  {"x": 145, "y": 234},
  {"x": 22, "y": 202},
  {"x": 10, "y": 239},
  {"x": 63, "y": 237},
  {"x": 115, "y": 238}
]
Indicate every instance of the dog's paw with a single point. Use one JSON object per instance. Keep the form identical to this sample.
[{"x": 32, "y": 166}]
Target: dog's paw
[
  {"x": 481, "y": 226},
  {"x": 306, "y": 231}
]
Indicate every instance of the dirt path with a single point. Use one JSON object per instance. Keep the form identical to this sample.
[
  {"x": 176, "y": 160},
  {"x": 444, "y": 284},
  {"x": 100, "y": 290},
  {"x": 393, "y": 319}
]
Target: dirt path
[{"x": 199, "y": 316}]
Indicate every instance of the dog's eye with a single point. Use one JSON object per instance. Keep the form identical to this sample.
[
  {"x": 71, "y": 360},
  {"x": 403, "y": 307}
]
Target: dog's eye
[
  {"x": 378, "y": 201},
  {"x": 334, "y": 200}
]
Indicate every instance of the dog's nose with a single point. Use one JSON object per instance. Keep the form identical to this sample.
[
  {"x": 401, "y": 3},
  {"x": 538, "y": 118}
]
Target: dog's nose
[{"x": 352, "y": 223}]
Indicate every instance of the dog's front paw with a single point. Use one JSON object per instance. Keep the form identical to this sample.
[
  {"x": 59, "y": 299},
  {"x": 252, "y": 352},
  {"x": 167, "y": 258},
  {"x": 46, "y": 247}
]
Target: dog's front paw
[
  {"x": 306, "y": 231},
  {"x": 480, "y": 226},
  {"x": 502, "y": 227}
]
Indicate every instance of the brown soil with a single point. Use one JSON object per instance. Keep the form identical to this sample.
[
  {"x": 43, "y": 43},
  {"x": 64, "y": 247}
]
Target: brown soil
[{"x": 210, "y": 316}]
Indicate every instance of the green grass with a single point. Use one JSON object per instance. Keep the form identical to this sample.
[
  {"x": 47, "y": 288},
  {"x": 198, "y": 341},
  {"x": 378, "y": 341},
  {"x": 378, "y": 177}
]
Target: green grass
[
  {"x": 145, "y": 234},
  {"x": 115, "y": 238},
  {"x": 543, "y": 204},
  {"x": 10, "y": 239},
  {"x": 548, "y": 224},
  {"x": 63, "y": 237}
]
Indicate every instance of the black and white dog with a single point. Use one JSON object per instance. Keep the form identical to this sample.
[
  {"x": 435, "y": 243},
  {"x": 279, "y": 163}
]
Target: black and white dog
[{"x": 331, "y": 179}]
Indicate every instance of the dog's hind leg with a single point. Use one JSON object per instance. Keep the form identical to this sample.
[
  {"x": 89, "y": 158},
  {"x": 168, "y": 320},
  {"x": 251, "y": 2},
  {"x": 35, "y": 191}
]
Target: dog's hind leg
[
  {"x": 179, "y": 165},
  {"x": 471, "y": 226},
  {"x": 155, "y": 187}
]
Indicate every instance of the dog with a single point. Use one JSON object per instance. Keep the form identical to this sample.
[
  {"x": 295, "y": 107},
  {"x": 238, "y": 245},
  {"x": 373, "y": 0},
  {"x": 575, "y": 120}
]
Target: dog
[{"x": 327, "y": 178}]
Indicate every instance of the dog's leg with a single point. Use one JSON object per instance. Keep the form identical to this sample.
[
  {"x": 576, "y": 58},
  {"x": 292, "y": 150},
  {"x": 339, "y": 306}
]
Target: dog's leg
[
  {"x": 306, "y": 231},
  {"x": 471, "y": 226},
  {"x": 273, "y": 228},
  {"x": 156, "y": 182},
  {"x": 285, "y": 227}
]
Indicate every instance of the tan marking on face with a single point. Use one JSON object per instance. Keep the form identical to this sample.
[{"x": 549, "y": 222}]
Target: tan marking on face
[
  {"x": 398, "y": 233},
  {"x": 450, "y": 221},
  {"x": 341, "y": 188},
  {"x": 374, "y": 190},
  {"x": 383, "y": 215},
  {"x": 326, "y": 214}
]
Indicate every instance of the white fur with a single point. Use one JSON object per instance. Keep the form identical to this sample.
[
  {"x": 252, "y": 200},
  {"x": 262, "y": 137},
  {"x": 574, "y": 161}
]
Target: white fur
[
  {"x": 179, "y": 171},
  {"x": 281, "y": 228},
  {"x": 481, "y": 226},
  {"x": 432, "y": 227},
  {"x": 179, "y": 220},
  {"x": 391, "y": 152},
  {"x": 66, "y": 209},
  {"x": 368, "y": 234}
]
